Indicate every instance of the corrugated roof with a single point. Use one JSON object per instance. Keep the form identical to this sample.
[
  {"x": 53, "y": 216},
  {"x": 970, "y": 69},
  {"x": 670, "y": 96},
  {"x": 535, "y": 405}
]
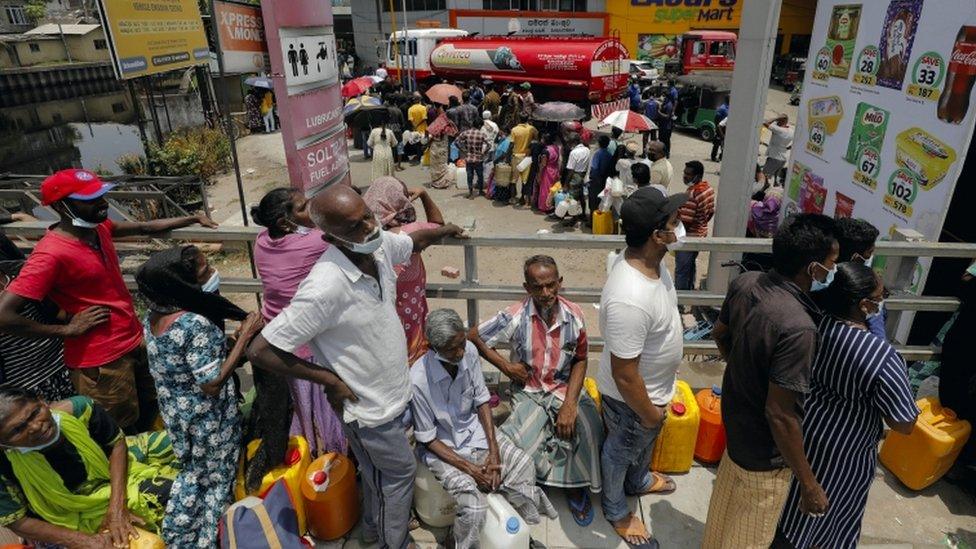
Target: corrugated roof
[{"x": 71, "y": 30}]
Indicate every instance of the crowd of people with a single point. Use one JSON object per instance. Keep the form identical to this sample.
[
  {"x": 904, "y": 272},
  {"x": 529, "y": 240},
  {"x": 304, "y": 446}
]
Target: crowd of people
[{"x": 347, "y": 354}]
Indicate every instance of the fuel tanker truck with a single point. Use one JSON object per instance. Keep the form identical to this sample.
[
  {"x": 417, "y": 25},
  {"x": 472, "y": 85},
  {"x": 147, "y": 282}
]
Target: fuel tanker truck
[{"x": 581, "y": 69}]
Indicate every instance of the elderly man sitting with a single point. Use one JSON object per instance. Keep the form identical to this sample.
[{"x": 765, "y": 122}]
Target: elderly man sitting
[
  {"x": 452, "y": 423},
  {"x": 551, "y": 419}
]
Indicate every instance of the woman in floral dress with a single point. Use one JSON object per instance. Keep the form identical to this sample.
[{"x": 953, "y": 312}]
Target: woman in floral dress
[
  {"x": 392, "y": 203},
  {"x": 191, "y": 366}
]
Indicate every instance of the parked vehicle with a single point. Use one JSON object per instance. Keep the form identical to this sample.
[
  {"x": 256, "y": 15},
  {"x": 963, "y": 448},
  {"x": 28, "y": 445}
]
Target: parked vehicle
[
  {"x": 788, "y": 71},
  {"x": 704, "y": 52},
  {"x": 643, "y": 70},
  {"x": 587, "y": 70},
  {"x": 698, "y": 99}
]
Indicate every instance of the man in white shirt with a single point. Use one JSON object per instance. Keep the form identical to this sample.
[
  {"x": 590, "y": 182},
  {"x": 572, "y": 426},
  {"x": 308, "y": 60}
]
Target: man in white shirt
[
  {"x": 640, "y": 321},
  {"x": 345, "y": 311},
  {"x": 577, "y": 165},
  {"x": 661, "y": 169},
  {"x": 780, "y": 143}
]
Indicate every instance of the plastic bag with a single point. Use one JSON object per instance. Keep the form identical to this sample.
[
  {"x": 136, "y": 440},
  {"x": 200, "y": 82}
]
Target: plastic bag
[
  {"x": 616, "y": 187},
  {"x": 524, "y": 164}
]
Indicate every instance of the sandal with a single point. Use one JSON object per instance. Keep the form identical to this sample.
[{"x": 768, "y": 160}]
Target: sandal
[
  {"x": 635, "y": 527},
  {"x": 662, "y": 484},
  {"x": 581, "y": 509}
]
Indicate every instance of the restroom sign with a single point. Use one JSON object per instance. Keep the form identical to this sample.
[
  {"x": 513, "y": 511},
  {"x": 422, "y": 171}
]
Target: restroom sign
[{"x": 309, "y": 60}]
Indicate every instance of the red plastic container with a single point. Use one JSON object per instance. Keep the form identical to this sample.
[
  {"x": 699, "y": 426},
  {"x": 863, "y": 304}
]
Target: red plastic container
[{"x": 710, "y": 444}]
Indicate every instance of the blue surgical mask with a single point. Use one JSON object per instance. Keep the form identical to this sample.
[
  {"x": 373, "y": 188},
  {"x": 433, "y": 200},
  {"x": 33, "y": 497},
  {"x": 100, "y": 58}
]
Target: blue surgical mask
[
  {"x": 212, "y": 284},
  {"x": 817, "y": 285},
  {"x": 39, "y": 447},
  {"x": 372, "y": 243},
  {"x": 77, "y": 221}
]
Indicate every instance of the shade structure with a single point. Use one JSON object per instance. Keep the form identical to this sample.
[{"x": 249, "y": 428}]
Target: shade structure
[
  {"x": 629, "y": 121},
  {"x": 356, "y": 86},
  {"x": 441, "y": 93},
  {"x": 558, "y": 111}
]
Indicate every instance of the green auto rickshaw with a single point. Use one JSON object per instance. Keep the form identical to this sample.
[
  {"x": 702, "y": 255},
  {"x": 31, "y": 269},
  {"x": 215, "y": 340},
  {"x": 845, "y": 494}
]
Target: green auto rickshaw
[{"x": 699, "y": 96}]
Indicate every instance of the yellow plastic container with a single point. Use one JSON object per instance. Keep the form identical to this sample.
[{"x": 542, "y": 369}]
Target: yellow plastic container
[
  {"x": 297, "y": 459},
  {"x": 589, "y": 385},
  {"x": 921, "y": 458},
  {"x": 924, "y": 155},
  {"x": 674, "y": 450},
  {"x": 146, "y": 540},
  {"x": 331, "y": 496},
  {"x": 602, "y": 222}
]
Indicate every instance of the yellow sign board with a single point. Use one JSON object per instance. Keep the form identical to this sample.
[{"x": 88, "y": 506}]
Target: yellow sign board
[{"x": 153, "y": 36}]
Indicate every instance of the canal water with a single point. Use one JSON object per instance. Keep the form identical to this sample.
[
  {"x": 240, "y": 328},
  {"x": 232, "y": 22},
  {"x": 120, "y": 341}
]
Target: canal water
[{"x": 89, "y": 132}]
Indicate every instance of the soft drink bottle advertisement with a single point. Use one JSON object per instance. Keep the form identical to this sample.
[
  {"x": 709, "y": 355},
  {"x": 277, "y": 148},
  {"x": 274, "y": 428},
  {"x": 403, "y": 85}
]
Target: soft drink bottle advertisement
[{"x": 885, "y": 119}]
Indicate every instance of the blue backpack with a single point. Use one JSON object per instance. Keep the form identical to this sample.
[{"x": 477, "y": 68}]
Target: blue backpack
[{"x": 254, "y": 523}]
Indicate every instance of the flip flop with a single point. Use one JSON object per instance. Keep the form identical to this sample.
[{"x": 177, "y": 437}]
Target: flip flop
[
  {"x": 636, "y": 528},
  {"x": 582, "y": 510},
  {"x": 662, "y": 484}
]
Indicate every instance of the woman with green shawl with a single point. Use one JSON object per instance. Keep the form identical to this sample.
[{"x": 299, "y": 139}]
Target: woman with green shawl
[{"x": 69, "y": 477}]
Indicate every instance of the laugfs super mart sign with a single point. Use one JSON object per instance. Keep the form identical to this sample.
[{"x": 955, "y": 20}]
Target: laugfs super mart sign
[{"x": 301, "y": 44}]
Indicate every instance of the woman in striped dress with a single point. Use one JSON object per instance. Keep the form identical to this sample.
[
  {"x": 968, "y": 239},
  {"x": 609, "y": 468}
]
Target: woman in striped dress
[{"x": 858, "y": 380}]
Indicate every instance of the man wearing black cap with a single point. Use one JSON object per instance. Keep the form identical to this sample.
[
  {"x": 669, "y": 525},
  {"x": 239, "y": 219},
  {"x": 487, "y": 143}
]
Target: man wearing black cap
[{"x": 640, "y": 321}]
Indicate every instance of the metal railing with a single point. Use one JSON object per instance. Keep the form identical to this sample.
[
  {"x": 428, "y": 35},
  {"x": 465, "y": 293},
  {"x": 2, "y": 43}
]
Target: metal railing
[{"x": 472, "y": 291}]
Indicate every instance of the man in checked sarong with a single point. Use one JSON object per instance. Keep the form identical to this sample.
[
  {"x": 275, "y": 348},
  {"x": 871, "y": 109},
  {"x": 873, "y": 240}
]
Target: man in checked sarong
[{"x": 552, "y": 419}]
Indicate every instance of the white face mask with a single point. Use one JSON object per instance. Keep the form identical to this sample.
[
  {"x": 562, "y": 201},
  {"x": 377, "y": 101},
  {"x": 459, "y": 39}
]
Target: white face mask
[
  {"x": 212, "y": 284},
  {"x": 444, "y": 359},
  {"x": 680, "y": 235},
  {"x": 300, "y": 229},
  {"x": 77, "y": 221},
  {"x": 372, "y": 243},
  {"x": 39, "y": 447},
  {"x": 879, "y": 304}
]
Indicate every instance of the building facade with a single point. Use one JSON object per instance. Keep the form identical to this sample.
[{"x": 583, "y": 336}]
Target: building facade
[
  {"x": 48, "y": 44},
  {"x": 13, "y": 17}
]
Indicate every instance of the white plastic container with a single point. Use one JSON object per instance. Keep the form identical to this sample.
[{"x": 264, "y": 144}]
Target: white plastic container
[
  {"x": 461, "y": 179},
  {"x": 504, "y": 528},
  {"x": 433, "y": 504}
]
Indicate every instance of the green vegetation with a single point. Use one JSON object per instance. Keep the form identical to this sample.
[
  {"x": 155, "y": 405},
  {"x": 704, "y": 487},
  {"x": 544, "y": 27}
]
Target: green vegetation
[
  {"x": 35, "y": 10},
  {"x": 200, "y": 152}
]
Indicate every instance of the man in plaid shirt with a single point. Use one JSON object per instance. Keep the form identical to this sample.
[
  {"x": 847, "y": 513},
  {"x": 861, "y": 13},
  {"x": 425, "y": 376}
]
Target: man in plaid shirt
[
  {"x": 694, "y": 215},
  {"x": 473, "y": 144}
]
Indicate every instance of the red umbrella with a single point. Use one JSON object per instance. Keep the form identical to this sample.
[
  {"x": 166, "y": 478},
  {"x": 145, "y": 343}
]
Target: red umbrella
[
  {"x": 629, "y": 121},
  {"x": 440, "y": 93},
  {"x": 357, "y": 86}
]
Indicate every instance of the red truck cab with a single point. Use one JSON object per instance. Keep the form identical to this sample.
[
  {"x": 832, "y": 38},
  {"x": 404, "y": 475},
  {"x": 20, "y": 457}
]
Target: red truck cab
[{"x": 705, "y": 51}]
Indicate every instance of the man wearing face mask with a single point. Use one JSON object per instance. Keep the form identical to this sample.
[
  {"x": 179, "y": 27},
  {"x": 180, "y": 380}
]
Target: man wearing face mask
[
  {"x": 75, "y": 266},
  {"x": 856, "y": 238},
  {"x": 694, "y": 215},
  {"x": 639, "y": 319},
  {"x": 345, "y": 312},
  {"x": 767, "y": 333}
]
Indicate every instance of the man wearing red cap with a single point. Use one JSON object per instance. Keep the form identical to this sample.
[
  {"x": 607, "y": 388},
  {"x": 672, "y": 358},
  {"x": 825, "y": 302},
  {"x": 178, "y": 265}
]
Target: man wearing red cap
[{"x": 75, "y": 266}]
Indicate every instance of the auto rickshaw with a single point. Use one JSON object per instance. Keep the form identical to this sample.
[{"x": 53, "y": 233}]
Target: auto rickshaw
[
  {"x": 788, "y": 71},
  {"x": 699, "y": 96}
]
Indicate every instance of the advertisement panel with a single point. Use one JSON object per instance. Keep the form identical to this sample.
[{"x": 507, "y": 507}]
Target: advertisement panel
[
  {"x": 885, "y": 118},
  {"x": 241, "y": 37},
  {"x": 657, "y": 48},
  {"x": 152, "y": 36},
  {"x": 495, "y": 23},
  {"x": 301, "y": 45}
]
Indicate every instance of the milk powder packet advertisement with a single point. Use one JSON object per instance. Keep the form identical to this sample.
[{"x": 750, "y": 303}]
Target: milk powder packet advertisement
[{"x": 887, "y": 114}]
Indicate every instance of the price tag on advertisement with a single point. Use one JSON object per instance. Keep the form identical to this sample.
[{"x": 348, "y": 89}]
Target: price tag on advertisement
[
  {"x": 867, "y": 66},
  {"x": 818, "y": 135},
  {"x": 822, "y": 65},
  {"x": 867, "y": 168},
  {"x": 927, "y": 75},
  {"x": 902, "y": 192}
]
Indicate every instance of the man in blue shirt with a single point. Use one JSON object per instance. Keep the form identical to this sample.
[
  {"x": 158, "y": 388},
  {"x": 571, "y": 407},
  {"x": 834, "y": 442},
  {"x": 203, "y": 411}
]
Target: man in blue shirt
[
  {"x": 665, "y": 122},
  {"x": 600, "y": 167},
  {"x": 633, "y": 90},
  {"x": 651, "y": 108},
  {"x": 718, "y": 139},
  {"x": 456, "y": 437}
]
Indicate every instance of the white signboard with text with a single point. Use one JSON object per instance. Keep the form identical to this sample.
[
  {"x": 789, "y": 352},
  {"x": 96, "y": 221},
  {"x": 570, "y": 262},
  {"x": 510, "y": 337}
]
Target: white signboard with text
[
  {"x": 886, "y": 118},
  {"x": 310, "y": 60}
]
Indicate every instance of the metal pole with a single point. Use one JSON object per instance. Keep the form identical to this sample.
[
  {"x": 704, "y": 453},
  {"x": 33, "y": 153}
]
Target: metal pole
[
  {"x": 162, "y": 93},
  {"x": 139, "y": 120},
  {"x": 750, "y": 84},
  {"x": 228, "y": 122},
  {"x": 64, "y": 42},
  {"x": 406, "y": 46},
  {"x": 147, "y": 83},
  {"x": 471, "y": 279}
]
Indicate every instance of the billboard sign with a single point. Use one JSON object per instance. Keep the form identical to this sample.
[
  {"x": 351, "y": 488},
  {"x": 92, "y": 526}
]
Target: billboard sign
[
  {"x": 154, "y": 36},
  {"x": 302, "y": 48},
  {"x": 242, "y": 41},
  {"x": 495, "y": 23},
  {"x": 886, "y": 117}
]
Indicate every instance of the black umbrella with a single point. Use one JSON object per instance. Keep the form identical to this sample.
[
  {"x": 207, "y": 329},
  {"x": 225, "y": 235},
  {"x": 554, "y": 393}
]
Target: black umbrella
[{"x": 558, "y": 111}]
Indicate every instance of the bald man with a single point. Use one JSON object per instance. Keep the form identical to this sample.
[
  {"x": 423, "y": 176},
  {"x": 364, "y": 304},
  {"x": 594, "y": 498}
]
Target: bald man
[{"x": 345, "y": 312}]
